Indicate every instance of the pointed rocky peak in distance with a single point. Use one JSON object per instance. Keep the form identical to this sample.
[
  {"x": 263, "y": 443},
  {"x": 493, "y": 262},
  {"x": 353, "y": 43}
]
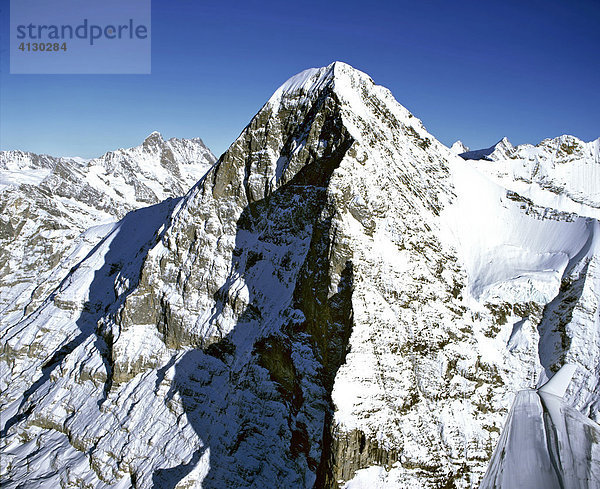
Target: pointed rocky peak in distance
[
  {"x": 153, "y": 141},
  {"x": 155, "y": 147},
  {"x": 503, "y": 149},
  {"x": 459, "y": 147},
  {"x": 188, "y": 151},
  {"x": 151, "y": 145},
  {"x": 200, "y": 142},
  {"x": 192, "y": 150}
]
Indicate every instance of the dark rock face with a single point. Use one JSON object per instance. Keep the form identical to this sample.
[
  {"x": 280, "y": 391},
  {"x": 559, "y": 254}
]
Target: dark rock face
[
  {"x": 294, "y": 219},
  {"x": 354, "y": 451}
]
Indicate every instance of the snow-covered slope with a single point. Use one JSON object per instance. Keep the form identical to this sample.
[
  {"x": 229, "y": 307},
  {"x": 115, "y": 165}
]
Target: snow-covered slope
[{"x": 341, "y": 301}]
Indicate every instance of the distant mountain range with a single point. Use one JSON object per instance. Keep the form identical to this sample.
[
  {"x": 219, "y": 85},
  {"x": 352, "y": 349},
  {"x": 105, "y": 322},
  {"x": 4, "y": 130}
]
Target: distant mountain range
[{"x": 52, "y": 207}]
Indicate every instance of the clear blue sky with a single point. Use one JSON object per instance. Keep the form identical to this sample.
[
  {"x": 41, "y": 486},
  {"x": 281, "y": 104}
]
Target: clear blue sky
[{"x": 475, "y": 71}]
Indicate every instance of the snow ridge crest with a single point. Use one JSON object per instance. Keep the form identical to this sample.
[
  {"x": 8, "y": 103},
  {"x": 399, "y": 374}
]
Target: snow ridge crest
[{"x": 337, "y": 75}]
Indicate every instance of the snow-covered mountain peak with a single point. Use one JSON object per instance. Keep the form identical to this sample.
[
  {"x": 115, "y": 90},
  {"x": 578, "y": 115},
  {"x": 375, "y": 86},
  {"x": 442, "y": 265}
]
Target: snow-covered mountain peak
[
  {"x": 459, "y": 147},
  {"x": 47, "y": 202},
  {"x": 339, "y": 300},
  {"x": 309, "y": 79},
  {"x": 502, "y": 149},
  {"x": 357, "y": 98},
  {"x": 504, "y": 146},
  {"x": 154, "y": 139},
  {"x": 14, "y": 160},
  {"x": 315, "y": 79},
  {"x": 156, "y": 169},
  {"x": 560, "y": 173},
  {"x": 154, "y": 134},
  {"x": 566, "y": 147},
  {"x": 352, "y": 87}
]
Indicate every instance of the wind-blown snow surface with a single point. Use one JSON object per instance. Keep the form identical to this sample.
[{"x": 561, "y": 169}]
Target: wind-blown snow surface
[{"x": 340, "y": 297}]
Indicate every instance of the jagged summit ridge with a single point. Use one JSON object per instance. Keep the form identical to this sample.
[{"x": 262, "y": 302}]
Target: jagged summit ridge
[
  {"x": 156, "y": 169},
  {"x": 558, "y": 147}
]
